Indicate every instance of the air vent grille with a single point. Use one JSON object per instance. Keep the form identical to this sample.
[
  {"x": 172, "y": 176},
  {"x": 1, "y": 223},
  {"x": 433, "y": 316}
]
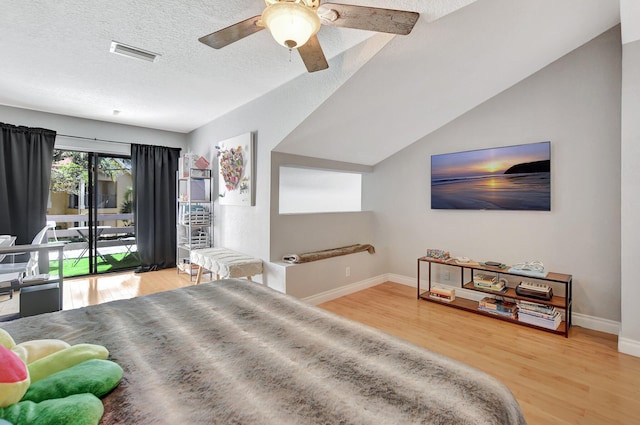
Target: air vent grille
[{"x": 132, "y": 52}]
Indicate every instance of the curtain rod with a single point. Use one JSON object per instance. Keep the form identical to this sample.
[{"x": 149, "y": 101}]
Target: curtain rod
[{"x": 94, "y": 139}]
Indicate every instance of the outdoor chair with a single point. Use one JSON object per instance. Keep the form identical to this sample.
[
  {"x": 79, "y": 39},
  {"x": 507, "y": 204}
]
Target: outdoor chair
[
  {"x": 29, "y": 268},
  {"x": 5, "y": 242},
  {"x": 52, "y": 225},
  {"x": 6, "y": 281}
]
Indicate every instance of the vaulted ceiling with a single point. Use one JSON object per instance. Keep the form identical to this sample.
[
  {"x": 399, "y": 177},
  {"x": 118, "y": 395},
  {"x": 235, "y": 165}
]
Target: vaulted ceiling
[
  {"x": 417, "y": 84},
  {"x": 462, "y": 52},
  {"x": 56, "y": 57}
]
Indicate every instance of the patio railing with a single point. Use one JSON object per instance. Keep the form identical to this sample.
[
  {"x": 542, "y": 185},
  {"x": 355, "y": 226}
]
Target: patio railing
[{"x": 116, "y": 242}]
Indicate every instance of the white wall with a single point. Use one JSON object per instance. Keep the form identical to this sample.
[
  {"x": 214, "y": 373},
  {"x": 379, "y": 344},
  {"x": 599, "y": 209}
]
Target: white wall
[
  {"x": 574, "y": 103},
  {"x": 311, "y": 190},
  {"x": 325, "y": 276},
  {"x": 299, "y": 233},
  {"x": 271, "y": 117},
  {"x": 91, "y": 129},
  {"x": 629, "y": 339},
  {"x": 443, "y": 69},
  {"x": 630, "y": 20}
]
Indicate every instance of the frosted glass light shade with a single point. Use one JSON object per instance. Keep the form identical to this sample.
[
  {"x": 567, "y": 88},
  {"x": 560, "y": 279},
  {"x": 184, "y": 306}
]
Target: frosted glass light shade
[{"x": 291, "y": 24}]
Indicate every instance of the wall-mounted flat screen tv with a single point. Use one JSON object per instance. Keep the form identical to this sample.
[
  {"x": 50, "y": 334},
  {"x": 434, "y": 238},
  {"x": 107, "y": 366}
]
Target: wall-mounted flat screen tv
[{"x": 504, "y": 178}]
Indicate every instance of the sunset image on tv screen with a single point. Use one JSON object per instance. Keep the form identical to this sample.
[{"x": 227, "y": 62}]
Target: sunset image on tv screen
[{"x": 504, "y": 178}]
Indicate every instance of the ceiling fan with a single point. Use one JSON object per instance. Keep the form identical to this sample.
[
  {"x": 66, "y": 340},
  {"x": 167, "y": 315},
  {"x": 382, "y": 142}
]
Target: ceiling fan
[{"x": 294, "y": 24}]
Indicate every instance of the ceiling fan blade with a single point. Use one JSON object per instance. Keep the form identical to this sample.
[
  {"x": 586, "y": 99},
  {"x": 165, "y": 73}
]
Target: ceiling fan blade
[
  {"x": 312, "y": 55},
  {"x": 367, "y": 18},
  {"x": 232, "y": 33}
]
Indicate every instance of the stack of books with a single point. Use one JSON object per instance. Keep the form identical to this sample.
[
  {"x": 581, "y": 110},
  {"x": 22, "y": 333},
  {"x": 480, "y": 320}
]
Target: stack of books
[
  {"x": 499, "y": 307},
  {"x": 545, "y": 316},
  {"x": 442, "y": 294},
  {"x": 489, "y": 283}
]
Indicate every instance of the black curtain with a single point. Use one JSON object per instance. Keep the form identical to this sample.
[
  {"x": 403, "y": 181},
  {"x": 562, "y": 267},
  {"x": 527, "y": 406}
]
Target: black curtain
[
  {"x": 26, "y": 155},
  {"x": 154, "y": 171}
]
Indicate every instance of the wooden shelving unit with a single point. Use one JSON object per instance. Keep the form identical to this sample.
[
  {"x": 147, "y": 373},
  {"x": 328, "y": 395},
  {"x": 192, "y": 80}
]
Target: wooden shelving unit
[{"x": 559, "y": 281}]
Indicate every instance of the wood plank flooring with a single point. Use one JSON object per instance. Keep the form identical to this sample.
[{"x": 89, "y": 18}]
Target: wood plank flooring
[
  {"x": 91, "y": 290},
  {"x": 579, "y": 380},
  {"x": 84, "y": 291}
]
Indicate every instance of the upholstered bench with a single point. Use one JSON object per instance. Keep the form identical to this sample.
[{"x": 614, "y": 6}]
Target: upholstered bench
[{"x": 225, "y": 263}]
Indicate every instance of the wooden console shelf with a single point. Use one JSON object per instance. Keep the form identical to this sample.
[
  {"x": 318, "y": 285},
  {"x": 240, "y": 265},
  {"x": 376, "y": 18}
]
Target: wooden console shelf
[{"x": 561, "y": 284}]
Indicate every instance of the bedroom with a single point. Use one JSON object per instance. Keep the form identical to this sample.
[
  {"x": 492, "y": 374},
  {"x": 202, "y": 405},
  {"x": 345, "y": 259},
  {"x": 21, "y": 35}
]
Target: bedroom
[{"x": 400, "y": 222}]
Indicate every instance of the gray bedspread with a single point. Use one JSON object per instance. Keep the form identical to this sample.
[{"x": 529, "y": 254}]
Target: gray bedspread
[{"x": 236, "y": 352}]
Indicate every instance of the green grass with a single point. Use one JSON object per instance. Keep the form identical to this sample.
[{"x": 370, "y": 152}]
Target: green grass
[{"x": 114, "y": 262}]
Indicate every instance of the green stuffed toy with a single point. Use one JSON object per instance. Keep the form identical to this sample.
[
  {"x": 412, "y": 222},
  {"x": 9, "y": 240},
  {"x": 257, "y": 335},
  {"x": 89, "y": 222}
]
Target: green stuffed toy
[{"x": 50, "y": 382}]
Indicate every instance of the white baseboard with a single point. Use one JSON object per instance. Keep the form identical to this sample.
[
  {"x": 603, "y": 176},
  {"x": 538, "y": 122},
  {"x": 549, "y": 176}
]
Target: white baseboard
[
  {"x": 582, "y": 320},
  {"x": 397, "y": 278},
  {"x": 387, "y": 277},
  {"x": 344, "y": 290},
  {"x": 625, "y": 345},
  {"x": 596, "y": 323},
  {"x": 629, "y": 346}
]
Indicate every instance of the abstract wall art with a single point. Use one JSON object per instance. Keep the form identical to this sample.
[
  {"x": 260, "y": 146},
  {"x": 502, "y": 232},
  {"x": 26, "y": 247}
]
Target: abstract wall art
[{"x": 236, "y": 169}]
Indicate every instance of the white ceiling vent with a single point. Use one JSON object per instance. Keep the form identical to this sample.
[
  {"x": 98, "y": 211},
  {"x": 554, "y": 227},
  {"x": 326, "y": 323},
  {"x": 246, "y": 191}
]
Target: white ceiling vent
[{"x": 132, "y": 52}]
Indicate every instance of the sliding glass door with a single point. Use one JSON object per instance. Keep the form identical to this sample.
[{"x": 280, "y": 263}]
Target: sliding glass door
[{"x": 90, "y": 208}]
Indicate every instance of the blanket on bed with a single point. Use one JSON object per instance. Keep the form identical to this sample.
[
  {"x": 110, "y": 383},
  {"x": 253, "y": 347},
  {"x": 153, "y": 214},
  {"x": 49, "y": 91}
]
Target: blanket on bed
[{"x": 234, "y": 351}]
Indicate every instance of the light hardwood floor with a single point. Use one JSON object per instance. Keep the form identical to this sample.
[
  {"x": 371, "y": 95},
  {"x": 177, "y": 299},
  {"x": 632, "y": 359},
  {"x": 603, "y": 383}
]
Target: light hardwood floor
[
  {"x": 579, "y": 380},
  {"x": 84, "y": 291}
]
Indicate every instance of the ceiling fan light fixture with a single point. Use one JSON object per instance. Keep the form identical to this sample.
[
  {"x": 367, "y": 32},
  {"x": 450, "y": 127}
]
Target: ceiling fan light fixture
[{"x": 291, "y": 24}]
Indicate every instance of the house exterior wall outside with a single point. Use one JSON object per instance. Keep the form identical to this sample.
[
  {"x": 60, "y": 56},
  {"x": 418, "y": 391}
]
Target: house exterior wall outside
[
  {"x": 630, "y": 332},
  {"x": 575, "y": 103},
  {"x": 59, "y": 203},
  {"x": 123, "y": 183}
]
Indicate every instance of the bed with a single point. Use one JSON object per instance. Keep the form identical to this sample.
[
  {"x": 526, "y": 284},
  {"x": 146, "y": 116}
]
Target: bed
[{"x": 233, "y": 351}]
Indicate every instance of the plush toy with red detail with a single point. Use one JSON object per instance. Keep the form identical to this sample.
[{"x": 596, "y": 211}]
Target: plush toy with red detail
[
  {"x": 51, "y": 382},
  {"x": 14, "y": 377}
]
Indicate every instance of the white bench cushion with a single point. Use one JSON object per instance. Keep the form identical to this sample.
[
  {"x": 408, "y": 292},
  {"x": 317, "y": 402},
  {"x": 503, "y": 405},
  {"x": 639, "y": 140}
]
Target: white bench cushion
[{"x": 226, "y": 263}]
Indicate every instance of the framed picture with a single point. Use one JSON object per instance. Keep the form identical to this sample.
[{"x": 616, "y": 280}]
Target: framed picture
[
  {"x": 504, "y": 178},
  {"x": 236, "y": 168}
]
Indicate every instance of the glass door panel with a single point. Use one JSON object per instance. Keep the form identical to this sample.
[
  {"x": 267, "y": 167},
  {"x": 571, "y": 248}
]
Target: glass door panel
[
  {"x": 91, "y": 209},
  {"x": 114, "y": 242}
]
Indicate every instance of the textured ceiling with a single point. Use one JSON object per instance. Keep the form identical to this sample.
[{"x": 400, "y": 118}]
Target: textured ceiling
[{"x": 55, "y": 57}]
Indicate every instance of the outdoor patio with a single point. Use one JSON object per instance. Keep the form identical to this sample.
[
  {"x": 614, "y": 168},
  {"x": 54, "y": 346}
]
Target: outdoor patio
[
  {"x": 115, "y": 248},
  {"x": 111, "y": 258}
]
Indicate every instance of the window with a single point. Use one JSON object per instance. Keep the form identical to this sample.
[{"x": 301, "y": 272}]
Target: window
[{"x": 308, "y": 190}]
